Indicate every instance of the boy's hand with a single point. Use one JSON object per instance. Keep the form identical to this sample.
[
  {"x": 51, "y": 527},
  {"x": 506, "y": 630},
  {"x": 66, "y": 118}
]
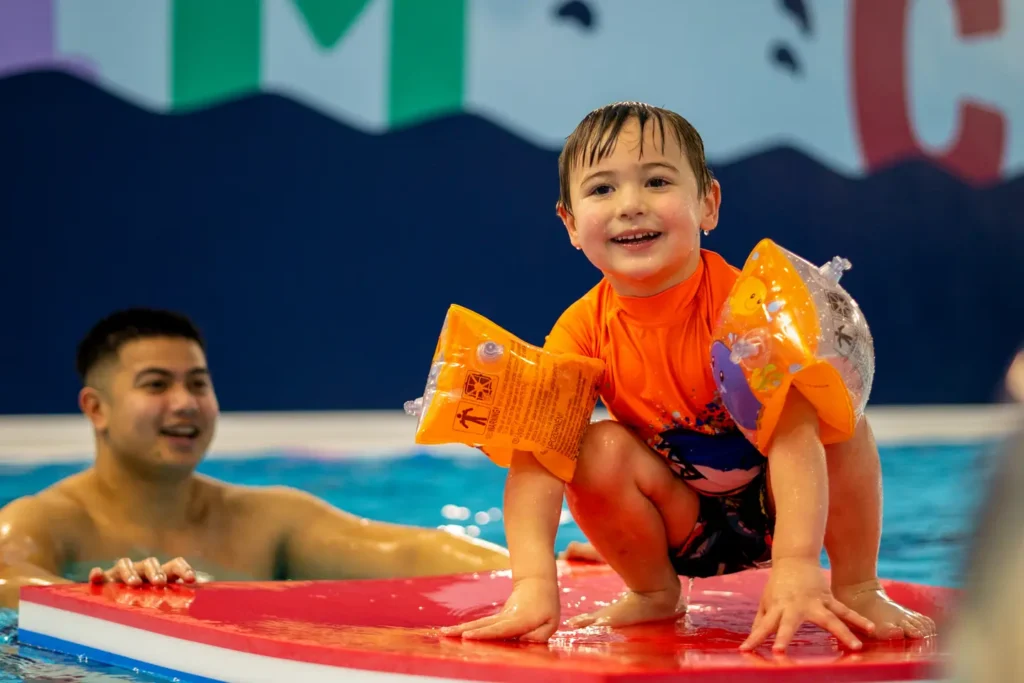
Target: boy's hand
[
  {"x": 531, "y": 613},
  {"x": 797, "y": 592}
]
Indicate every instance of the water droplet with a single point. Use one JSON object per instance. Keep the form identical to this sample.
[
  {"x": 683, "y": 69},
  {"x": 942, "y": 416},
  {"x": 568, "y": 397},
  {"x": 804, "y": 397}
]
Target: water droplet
[{"x": 455, "y": 512}]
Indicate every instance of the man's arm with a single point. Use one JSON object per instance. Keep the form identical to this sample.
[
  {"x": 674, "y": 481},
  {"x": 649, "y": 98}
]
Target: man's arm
[
  {"x": 322, "y": 542},
  {"x": 31, "y": 552}
]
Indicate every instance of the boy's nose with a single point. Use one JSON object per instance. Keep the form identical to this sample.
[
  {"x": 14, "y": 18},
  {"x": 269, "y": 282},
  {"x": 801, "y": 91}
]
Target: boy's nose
[{"x": 632, "y": 204}]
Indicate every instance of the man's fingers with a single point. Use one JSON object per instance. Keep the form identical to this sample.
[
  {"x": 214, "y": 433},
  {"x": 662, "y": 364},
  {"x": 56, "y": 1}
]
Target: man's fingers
[
  {"x": 150, "y": 568},
  {"x": 124, "y": 570},
  {"x": 178, "y": 568}
]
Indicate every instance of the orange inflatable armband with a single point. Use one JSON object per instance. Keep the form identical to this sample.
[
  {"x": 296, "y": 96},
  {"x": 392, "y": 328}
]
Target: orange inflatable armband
[
  {"x": 493, "y": 391},
  {"x": 789, "y": 323}
]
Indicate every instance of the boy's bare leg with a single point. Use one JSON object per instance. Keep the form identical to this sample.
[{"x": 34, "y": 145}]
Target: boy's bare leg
[
  {"x": 632, "y": 509},
  {"x": 853, "y": 533}
]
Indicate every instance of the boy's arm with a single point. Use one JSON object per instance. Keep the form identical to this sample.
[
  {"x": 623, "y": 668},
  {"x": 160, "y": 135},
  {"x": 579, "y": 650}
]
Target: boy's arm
[
  {"x": 797, "y": 590},
  {"x": 30, "y": 549},
  {"x": 799, "y": 481},
  {"x": 533, "y": 505}
]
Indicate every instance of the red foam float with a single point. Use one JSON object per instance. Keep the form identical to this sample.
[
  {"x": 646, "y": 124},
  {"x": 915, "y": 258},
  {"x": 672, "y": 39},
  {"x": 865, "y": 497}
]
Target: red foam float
[{"x": 316, "y": 630}]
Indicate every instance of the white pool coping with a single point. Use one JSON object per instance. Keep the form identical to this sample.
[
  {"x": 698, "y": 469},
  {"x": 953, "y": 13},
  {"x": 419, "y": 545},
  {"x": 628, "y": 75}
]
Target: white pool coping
[{"x": 345, "y": 434}]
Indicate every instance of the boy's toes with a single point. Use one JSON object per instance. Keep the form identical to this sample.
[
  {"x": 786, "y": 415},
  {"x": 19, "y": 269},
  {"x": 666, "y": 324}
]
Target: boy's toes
[
  {"x": 581, "y": 621},
  {"x": 888, "y": 631},
  {"x": 920, "y": 626},
  {"x": 910, "y": 630}
]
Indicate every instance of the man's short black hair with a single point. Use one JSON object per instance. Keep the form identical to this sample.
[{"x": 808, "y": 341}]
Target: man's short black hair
[{"x": 105, "y": 339}]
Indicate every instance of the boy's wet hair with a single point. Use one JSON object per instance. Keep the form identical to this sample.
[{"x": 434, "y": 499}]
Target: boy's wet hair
[
  {"x": 104, "y": 341},
  {"x": 596, "y": 135}
]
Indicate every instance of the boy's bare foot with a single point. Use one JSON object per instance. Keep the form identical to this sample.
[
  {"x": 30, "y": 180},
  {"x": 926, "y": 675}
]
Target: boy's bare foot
[
  {"x": 892, "y": 621},
  {"x": 581, "y": 552},
  {"x": 634, "y": 608}
]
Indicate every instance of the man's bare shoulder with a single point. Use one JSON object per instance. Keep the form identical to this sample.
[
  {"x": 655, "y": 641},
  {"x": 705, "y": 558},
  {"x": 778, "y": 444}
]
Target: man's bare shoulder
[
  {"x": 61, "y": 502},
  {"x": 269, "y": 500},
  {"x": 47, "y": 525}
]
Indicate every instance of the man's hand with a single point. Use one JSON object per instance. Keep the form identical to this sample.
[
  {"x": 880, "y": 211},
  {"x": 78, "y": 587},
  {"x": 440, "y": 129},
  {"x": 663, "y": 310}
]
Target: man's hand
[
  {"x": 797, "y": 592},
  {"x": 144, "y": 571}
]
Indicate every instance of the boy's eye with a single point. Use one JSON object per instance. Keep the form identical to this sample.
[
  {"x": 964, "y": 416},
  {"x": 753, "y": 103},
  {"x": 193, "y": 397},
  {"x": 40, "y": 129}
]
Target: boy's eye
[
  {"x": 658, "y": 182},
  {"x": 601, "y": 189}
]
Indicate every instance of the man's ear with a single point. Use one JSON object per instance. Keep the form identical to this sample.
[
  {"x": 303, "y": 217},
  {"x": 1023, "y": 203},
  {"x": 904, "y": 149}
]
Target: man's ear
[{"x": 93, "y": 407}]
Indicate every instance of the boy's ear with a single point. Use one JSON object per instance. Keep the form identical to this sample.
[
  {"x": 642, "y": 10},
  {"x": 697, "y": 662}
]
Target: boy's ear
[
  {"x": 710, "y": 206},
  {"x": 569, "y": 221}
]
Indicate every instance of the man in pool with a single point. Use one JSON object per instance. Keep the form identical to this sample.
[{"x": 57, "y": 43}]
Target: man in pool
[{"x": 149, "y": 395}]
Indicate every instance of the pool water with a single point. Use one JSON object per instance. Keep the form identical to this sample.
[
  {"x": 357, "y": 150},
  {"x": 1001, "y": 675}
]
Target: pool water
[{"x": 930, "y": 498}]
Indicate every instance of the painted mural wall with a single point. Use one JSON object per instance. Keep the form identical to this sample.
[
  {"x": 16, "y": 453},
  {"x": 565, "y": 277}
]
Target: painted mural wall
[{"x": 314, "y": 181}]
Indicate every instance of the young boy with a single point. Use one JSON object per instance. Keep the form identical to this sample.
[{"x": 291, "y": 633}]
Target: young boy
[{"x": 669, "y": 486}]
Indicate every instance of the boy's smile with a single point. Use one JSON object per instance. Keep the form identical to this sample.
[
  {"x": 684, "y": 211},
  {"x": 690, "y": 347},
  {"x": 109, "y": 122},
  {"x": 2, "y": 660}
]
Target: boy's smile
[{"x": 637, "y": 212}]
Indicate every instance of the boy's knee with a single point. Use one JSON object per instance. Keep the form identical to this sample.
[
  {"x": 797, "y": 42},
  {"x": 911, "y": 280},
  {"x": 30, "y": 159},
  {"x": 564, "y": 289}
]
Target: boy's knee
[{"x": 604, "y": 452}]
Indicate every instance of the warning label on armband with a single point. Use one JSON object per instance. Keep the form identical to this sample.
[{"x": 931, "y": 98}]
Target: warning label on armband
[
  {"x": 471, "y": 418},
  {"x": 545, "y": 402}
]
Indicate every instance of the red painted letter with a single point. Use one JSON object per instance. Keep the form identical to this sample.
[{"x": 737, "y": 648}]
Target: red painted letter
[{"x": 880, "y": 92}]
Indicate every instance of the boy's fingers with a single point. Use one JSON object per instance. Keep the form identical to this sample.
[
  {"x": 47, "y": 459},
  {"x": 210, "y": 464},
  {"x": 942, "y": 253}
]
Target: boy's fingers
[
  {"x": 459, "y": 629},
  {"x": 768, "y": 624},
  {"x": 505, "y": 629},
  {"x": 541, "y": 634},
  {"x": 834, "y": 625},
  {"x": 850, "y": 616},
  {"x": 788, "y": 626}
]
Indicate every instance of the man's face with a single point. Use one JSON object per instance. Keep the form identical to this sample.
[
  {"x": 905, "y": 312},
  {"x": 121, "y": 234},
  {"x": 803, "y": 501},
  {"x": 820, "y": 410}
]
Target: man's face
[{"x": 157, "y": 407}]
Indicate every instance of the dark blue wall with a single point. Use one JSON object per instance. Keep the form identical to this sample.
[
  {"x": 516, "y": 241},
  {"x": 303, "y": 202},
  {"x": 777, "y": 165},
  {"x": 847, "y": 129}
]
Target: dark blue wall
[{"x": 320, "y": 260}]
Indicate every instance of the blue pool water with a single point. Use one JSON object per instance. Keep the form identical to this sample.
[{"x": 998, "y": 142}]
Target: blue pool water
[{"x": 930, "y": 498}]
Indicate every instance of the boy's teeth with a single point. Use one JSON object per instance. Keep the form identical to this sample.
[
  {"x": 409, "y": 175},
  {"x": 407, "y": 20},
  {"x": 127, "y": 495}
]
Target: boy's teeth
[
  {"x": 639, "y": 236},
  {"x": 181, "y": 431}
]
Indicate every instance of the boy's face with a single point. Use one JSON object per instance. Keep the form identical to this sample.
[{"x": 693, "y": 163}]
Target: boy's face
[
  {"x": 156, "y": 406},
  {"x": 638, "y": 218}
]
